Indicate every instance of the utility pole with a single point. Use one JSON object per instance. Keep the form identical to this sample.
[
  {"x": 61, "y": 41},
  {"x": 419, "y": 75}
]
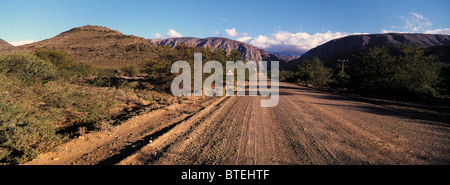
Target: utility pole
[{"x": 343, "y": 63}]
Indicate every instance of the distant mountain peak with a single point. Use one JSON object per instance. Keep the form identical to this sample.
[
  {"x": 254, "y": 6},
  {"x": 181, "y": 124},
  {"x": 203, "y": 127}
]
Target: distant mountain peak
[{"x": 248, "y": 52}]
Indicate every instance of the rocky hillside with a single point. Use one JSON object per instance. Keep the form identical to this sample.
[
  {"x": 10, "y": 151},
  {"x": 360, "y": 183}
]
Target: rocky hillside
[
  {"x": 344, "y": 48},
  {"x": 4, "y": 44},
  {"x": 99, "y": 46},
  {"x": 248, "y": 52}
]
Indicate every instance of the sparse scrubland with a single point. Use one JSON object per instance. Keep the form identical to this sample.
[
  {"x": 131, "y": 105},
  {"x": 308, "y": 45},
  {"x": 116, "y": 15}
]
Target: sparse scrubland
[{"x": 47, "y": 98}]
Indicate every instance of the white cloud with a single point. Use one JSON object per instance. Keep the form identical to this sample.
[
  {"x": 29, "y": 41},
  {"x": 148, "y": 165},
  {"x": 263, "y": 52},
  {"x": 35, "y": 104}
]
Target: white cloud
[
  {"x": 244, "y": 39},
  {"x": 172, "y": 33},
  {"x": 393, "y": 31},
  {"x": 445, "y": 31},
  {"x": 418, "y": 16},
  {"x": 19, "y": 43},
  {"x": 231, "y": 32},
  {"x": 287, "y": 43},
  {"x": 218, "y": 34},
  {"x": 414, "y": 23}
]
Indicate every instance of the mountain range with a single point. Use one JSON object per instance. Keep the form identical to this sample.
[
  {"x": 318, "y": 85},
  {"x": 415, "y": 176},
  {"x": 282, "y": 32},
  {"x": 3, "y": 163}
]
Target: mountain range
[
  {"x": 348, "y": 47},
  {"x": 249, "y": 52},
  {"x": 103, "y": 47}
]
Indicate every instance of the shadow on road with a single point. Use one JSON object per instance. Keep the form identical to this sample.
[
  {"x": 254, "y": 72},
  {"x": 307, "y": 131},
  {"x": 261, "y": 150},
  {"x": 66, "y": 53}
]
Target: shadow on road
[{"x": 429, "y": 113}]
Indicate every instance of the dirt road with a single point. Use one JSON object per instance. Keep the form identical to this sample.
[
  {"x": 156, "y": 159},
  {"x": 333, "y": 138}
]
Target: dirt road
[{"x": 306, "y": 127}]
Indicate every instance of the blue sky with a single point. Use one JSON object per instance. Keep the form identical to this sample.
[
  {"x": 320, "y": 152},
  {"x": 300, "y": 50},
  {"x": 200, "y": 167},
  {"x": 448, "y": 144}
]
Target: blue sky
[{"x": 286, "y": 27}]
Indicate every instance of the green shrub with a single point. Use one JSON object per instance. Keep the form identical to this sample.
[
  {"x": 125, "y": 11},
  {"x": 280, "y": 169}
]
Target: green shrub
[
  {"x": 314, "y": 72},
  {"x": 158, "y": 69},
  {"x": 58, "y": 57},
  {"x": 408, "y": 73},
  {"x": 130, "y": 71},
  {"x": 36, "y": 117},
  {"x": 340, "y": 78},
  {"x": 81, "y": 105},
  {"x": 288, "y": 76},
  {"x": 27, "y": 67},
  {"x": 159, "y": 73},
  {"x": 26, "y": 141},
  {"x": 444, "y": 85},
  {"x": 104, "y": 72},
  {"x": 25, "y": 129},
  {"x": 66, "y": 66}
]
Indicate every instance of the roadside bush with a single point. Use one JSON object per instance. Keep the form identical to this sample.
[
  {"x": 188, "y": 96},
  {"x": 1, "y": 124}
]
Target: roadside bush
[
  {"x": 58, "y": 57},
  {"x": 26, "y": 141},
  {"x": 66, "y": 66},
  {"x": 159, "y": 74},
  {"x": 288, "y": 76},
  {"x": 104, "y": 72},
  {"x": 25, "y": 129},
  {"x": 340, "y": 77},
  {"x": 35, "y": 117},
  {"x": 130, "y": 71},
  {"x": 408, "y": 74},
  {"x": 444, "y": 85},
  {"x": 27, "y": 67},
  {"x": 158, "y": 70},
  {"x": 314, "y": 72}
]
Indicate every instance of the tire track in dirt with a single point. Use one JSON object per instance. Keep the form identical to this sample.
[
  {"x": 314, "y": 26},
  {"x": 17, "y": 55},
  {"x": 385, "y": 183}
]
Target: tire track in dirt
[
  {"x": 155, "y": 150},
  {"x": 307, "y": 127},
  {"x": 111, "y": 145}
]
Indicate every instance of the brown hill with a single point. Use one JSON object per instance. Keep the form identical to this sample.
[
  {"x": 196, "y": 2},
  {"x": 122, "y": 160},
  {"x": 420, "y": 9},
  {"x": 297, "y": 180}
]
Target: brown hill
[
  {"x": 5, "y": 45},
  {"x": 99, "y": 46}
]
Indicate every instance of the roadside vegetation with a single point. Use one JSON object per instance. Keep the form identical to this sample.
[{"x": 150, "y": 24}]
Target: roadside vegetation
[
  {"x": 395, "y": 73},
  {"x": 46, "y": 98},
  {"x": 158, "y": 70}
]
